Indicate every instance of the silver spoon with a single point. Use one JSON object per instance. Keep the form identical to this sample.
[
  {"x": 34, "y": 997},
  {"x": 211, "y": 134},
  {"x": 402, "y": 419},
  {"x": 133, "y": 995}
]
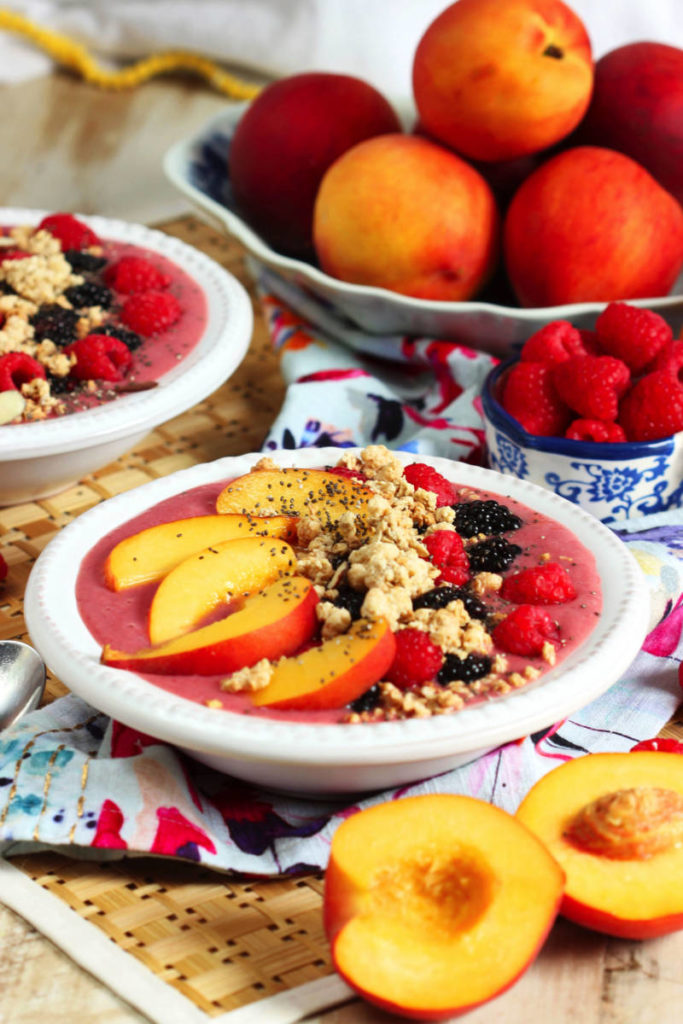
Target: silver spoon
[{"x": 22, "y": 680}]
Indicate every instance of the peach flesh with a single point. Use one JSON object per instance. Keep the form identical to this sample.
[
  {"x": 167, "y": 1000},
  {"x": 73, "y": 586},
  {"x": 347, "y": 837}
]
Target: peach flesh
[
  {"x": 436, "y": 904},
  {"x": 639, "y": 894}
]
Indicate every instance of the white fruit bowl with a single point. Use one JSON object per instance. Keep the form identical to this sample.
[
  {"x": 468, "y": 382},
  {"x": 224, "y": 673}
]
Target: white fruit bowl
[
  {"x": 41, "y": 458},
  {"x": 199, "y": 168},
  {"x": 325, "y": 759}
]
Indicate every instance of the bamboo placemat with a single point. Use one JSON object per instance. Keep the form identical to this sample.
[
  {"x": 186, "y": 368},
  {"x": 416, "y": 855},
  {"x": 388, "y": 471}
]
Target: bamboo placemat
[{"x": 222, "y": 942}]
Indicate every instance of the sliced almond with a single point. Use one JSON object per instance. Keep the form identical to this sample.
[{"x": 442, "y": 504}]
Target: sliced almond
[{"x": 12, "y": 404}]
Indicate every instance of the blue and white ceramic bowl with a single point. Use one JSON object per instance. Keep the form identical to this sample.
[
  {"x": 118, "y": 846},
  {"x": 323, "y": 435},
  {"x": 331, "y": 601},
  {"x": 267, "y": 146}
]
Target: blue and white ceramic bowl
[{"x": 614, "y": 482}]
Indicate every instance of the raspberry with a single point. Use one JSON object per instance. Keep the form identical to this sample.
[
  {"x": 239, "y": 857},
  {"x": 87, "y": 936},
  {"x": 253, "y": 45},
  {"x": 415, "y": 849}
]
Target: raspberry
[
  {"x": 553, "y": 343},
  {"x": 72, "y": 233},
  {"x": 590, "y": 342},
  {"x": 531, "y": 397},
  {"x": 99, "y": 357},
  {"x": 592, "y": 385},
  {"x": 447, "y": 551},
  {"x": 543, "y": 584},
  {"x": 595, "y": 430},
  {"x": 467, "y": 669},
  {"x": 3, "y": 569},
  {"x": 17, "y": 368},
  {"x": 474, "y": 517},
  {"x": 151, "y": 312},
  {"x": 663, "y": 744},
  {"x": 420, "y": 475},
  {"x": 653, "y": 408},
  {"x": 444, "y": 546},
  {"x": 669, "y": 358},
  {"x": 633, "y": 335},
  {"x": 416, "y": 661},
  {"x": 525, "y": 631},
  {"x": 135, "y": 274}
]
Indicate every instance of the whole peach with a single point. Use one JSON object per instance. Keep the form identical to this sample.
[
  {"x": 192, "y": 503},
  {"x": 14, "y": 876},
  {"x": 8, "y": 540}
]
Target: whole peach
[
  {"x": 403, "y": 213},
  {"x": 499, "y": 79},
  {"x": 286, "y": 140},
  {"x": 637, "y": 108},
  {"x": 592, "y": 225}
]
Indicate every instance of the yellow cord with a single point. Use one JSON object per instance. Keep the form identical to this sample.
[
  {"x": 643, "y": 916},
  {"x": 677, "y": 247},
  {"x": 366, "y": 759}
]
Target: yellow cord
[{"x": 72, "y": 55}]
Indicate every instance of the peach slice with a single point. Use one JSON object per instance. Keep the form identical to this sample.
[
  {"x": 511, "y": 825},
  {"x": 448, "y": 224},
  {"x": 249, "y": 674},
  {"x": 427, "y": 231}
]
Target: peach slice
[
  {"x": 214, "y": 576},
  {"x": 333, "y": 674},
  {"x": 615, "y": 824},
  {"x": 270, "y": 624},
  {"x": 148, "y": 555},
  {"x": 294, "y": 492},
  {"x": 436, "y": 904}
]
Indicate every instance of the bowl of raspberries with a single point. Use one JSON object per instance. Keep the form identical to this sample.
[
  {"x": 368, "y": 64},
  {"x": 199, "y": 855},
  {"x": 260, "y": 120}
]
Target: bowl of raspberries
[
  {"x": 594, "y": 415},
  {"x": 107, "y": 330}
]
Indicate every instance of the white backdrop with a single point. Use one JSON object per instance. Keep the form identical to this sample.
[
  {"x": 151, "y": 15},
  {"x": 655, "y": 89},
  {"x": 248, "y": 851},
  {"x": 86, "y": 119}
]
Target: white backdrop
[{"x": 374, "y": 39}]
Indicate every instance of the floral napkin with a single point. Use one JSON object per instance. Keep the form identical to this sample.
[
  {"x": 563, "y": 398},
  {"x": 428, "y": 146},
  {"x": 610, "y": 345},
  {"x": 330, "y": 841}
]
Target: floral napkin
[{"x": 70, "y": 779}]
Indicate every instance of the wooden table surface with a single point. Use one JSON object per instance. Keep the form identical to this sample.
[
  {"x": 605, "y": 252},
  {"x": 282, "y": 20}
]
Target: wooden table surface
[{"x": 68, "y": 146}]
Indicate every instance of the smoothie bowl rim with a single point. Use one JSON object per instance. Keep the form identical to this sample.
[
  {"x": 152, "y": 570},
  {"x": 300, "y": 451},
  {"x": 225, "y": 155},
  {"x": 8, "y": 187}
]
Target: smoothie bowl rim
[
  {"x": 60, "y": 635},
  {"x": 221, "y": 347}
]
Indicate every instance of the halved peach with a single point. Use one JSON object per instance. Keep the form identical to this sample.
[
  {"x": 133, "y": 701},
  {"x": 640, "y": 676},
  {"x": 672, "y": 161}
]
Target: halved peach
[
  {"x": 272, "y": 623},
  {"x": 148, "y": 555},
  {"x": 615, "y": 824},
  {"x": 216, "y": 575},
  {"x": 436, "y": 904},
  {"x": 294, "y": 492},
  {"x": 333, "y": 674}
]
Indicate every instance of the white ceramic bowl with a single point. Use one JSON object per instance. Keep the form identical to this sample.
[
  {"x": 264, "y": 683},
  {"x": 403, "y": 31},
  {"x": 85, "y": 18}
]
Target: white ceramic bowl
[
  {"x": 38, "y": 459},
  {"x": 198, "y": 167},
  {"x": 614, "y": 482},
  {"x": 332, "y": 758}
]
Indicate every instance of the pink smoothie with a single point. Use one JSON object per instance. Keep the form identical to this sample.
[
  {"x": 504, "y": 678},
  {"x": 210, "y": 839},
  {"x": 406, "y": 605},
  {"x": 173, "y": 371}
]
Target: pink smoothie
[{"x": 119, "y": 619}]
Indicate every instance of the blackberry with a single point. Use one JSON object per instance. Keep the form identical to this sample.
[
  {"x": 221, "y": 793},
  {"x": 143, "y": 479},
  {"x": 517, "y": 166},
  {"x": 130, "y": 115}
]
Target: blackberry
[
  {"x": 367, "y": 701},
  {"x": 84, "y": 262},
  {"x": 474, "y": 517},
  {"x": 439, "y": 597},
  {"x": 129, "y": 338},
  {"x": 56, "y": 323},
  {"x": 495, "y": 554},
  {"x": 474, "y": 666},
  {"x": 89, "y": 294},
  {"x": 350, "y": 599},
  {"x": 60, "y": 385}
]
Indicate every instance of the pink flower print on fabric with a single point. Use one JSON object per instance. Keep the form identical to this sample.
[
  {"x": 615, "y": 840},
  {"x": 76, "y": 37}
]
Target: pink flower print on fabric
[
  {"x": 109, "y": 824},
  {"x": 176, "y": 836},
  {"x": 666, "y": 636}
]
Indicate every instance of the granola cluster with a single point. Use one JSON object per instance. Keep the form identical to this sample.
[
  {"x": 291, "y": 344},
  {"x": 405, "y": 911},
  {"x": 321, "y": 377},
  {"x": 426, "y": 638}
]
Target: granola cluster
[{"x": 376, "y": 565}]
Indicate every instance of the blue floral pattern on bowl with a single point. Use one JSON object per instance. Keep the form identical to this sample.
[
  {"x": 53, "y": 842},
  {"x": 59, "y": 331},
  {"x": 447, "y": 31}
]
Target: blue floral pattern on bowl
[{"x": 614, "y": 482}]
